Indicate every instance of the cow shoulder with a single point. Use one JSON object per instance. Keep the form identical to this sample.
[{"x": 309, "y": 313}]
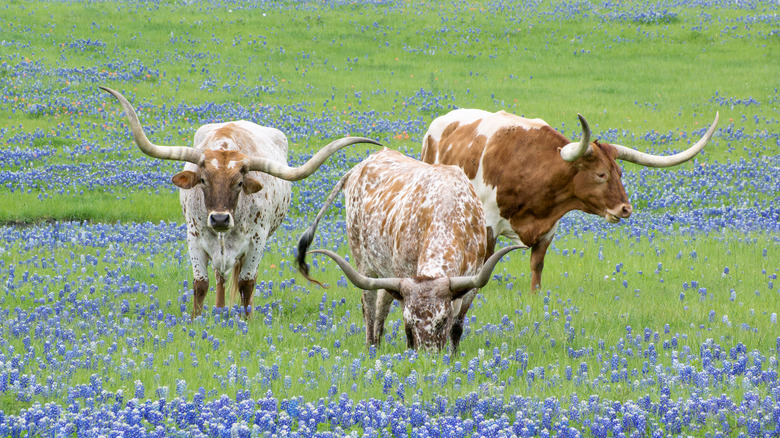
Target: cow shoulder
[{"x": 519, "y": 154}]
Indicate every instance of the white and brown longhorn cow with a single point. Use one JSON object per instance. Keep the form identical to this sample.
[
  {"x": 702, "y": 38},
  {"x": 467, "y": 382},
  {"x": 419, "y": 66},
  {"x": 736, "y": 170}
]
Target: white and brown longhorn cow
[
  {"x": 528, "y": 175},
  {"x": 235, "y": 192},
  {"x": 417, "y": 234}
]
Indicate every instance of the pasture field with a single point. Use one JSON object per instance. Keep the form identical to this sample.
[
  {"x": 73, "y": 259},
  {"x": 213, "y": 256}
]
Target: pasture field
[{"x": 662, "y": 325}]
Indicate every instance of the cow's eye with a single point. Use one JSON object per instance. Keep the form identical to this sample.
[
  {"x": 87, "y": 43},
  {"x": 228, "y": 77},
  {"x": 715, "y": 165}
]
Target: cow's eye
[
  {"x": 602, "y": 175},
  {"x": 202, "y": 181},
  {"x": 240, "y": 183}
]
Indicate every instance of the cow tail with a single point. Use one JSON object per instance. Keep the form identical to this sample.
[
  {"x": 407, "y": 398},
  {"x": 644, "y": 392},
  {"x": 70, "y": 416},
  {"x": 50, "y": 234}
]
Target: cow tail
[
  {"x": 308, "y": 236},
  {"x": 234, "y": 295}
]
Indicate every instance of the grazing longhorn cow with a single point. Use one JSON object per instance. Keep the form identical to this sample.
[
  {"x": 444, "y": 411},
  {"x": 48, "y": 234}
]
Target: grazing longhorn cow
[
  {"x": 528, "y": 175},
  {"x": 417, "y": 234},
  {"x": 235, "y": 191}
]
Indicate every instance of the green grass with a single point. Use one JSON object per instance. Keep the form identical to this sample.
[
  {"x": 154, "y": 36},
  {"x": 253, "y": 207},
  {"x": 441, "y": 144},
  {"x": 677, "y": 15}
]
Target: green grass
[
  {"x": 540, "y": 66},
  {"x": 627, "y": 78},
  {"x": 586, "y": 287},
  {"x": 96, "y": 207}
]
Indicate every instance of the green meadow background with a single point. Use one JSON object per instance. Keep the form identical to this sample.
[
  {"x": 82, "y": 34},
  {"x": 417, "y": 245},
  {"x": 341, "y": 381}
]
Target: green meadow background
[
  {"x": 631, "y": 69},
  {"x": 646, "y": 75}
]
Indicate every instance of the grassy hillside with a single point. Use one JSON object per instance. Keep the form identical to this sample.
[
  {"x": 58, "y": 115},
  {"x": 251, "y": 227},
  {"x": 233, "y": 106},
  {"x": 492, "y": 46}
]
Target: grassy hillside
[{"x": 644, "y": 75}]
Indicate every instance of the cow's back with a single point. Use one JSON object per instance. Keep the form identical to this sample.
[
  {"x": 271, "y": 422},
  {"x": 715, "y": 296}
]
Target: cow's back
[
  {"x": 460, "y": 137},
  {"x": 406, "y": 218},
  {"x": 242, "y": 136}
]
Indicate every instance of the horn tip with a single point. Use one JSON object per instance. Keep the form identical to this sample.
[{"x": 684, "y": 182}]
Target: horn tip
[
  {"x": 583, "y": 122},
  {"x": 366, "y": 140},
  {"x": 112, "y": 92},
  {"x": 511, "y": 248}
]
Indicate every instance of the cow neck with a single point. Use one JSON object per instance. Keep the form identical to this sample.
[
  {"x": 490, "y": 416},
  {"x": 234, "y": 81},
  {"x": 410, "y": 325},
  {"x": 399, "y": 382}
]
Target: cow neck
[
  {"x": 535, "y": 221},
  {"x": 533, "y": 184}
]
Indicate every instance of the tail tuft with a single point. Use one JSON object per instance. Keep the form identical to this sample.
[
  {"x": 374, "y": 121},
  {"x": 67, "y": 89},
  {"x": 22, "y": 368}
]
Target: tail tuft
[
  {"x": 308, "y": 236},
  {"x": 303, "y": 247}
]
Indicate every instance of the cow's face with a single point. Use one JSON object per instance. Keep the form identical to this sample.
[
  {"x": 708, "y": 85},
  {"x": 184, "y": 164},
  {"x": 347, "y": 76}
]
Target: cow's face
[
  {"x": 223, "y": 177},
  {"x": 598, "y": 186},
  {"x": 427, "y": 311}
]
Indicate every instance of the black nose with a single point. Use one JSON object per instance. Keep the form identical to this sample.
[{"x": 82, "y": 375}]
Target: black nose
[{"x": 219, "y": 221}]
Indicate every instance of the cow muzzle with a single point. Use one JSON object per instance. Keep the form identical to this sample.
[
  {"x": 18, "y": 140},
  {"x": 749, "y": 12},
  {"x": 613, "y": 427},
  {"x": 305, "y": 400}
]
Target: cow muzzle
[
  {"x": 220, "y": 221},
  {"x": 436, "y": 342},
  {"x": 623, "y": 211}
]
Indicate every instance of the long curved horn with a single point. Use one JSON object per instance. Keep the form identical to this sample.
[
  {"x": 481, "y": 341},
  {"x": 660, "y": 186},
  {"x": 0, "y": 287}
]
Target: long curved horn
[
  {"x": 461, "y": 285},
  {"x": 572, "y": 151},
  {"x": 283, "y": 171},
  {"x": 178, "y": 153},
  {"x": 648, "y": 160},
  {"x": 358, "y": 279}
]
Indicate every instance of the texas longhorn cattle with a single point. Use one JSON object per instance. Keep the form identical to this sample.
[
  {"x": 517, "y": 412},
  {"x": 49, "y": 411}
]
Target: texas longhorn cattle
[
  {"x": 417, "y": 234},
  {"x": 528, "y": 175},
  {"x": 234, "y": 192}
]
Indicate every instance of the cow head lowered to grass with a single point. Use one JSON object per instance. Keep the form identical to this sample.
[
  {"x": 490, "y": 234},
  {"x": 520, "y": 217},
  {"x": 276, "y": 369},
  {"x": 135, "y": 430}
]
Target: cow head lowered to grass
[
  {"x": 528, "y": 175},
  {"x": 235, "y": 192},
  {"x": 417, "y": 234}
]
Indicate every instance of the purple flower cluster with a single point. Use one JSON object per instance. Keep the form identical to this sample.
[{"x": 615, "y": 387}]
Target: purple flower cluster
[
  {"x": 90, "y": 346},
  {"x": 82, "y": 317},
  {"x": 474, "y": 414},
  {"x": 737, "y": 194}
]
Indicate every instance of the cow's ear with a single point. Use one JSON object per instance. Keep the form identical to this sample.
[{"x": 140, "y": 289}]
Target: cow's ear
[
  {"x": 252, "y": 185},
  {"x": 186, "y": 179}
]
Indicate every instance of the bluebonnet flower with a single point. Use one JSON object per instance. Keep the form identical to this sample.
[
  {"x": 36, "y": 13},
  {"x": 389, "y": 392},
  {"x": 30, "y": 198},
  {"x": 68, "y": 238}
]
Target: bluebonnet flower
[
  {"x": 49, "y": 310},
  {"x": 139, "y": 390}
]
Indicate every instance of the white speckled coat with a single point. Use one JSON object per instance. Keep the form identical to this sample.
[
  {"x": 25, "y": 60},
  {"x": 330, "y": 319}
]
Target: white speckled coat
[
  {"x": 256, "y": 215},
  {"x": 422, "y": 222},
  {"x": 235, "y": 192}
]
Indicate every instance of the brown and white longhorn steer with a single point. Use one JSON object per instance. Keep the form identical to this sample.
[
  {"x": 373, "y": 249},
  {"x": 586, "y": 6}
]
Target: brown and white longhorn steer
[
  {"x": 417, "y": 234},
  {"x": 235, "y": 192},
  {"x": 528, "y": 175}
]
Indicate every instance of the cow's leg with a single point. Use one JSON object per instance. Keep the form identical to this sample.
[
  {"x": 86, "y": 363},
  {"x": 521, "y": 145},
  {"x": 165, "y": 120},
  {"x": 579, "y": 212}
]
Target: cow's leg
[
  {"x": 246, "y": 288},
  {"x": 369, "y": 311},
  {"x": 490, "y": 247},
  {"x": 383, "y": 303},
  {"x": 459, "y": 311},
  {"x": 409, "y": 338},
  {"x": 220, "y": 289},
  {"x": 538, "y": 252},
  {"x": 200, "y": 285},
  {"x": 199, "y": 288},
  {"x": 246, "y": 278}
]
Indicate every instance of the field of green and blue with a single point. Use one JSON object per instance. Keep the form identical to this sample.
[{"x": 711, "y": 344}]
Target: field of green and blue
[{"x": 662, "y": 325}]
